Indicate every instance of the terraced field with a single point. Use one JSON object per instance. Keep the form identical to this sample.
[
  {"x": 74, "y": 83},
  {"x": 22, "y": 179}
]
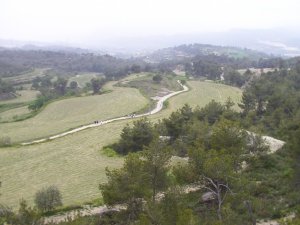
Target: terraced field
[
  {"x": 23, "y": 96},
  {"x": 74, "y": 163},
  {"x": 26, "y": 77},
  {"x": 15, "y": 108},
  {"x": 11, "y": 114}
]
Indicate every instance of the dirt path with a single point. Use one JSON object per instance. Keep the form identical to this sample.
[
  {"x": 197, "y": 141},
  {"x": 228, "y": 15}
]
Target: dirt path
[
  {"x": 85, "y": 211},
  {"x": 90, "y": 211},
  {"x": 158, "y": 108},
  {"x": 277, "y": 222}
]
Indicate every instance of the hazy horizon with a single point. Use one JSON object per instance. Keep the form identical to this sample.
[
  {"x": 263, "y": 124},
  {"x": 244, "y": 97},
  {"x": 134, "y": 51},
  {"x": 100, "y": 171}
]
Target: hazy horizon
[{"x": 91, "y": 21}]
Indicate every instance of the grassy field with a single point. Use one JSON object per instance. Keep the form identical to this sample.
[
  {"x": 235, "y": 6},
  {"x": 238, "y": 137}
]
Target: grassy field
[
  {"x": 74, "y": 163},
  {"x": 9, "y": 109},
  {"x": 12, "y": 114},
  {"x": 65, "y": 114}
]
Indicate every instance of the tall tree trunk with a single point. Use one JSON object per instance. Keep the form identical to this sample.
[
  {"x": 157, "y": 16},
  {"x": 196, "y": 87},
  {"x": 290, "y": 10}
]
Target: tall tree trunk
[
  {"x": 219, "y": 211},
  {"x": 249, "y": 207},
  {"x": 154, "y": 184}
]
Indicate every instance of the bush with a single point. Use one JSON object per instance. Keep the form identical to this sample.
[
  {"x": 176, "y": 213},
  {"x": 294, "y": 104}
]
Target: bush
[
  {"x": 5, "y": 141},
  {"x": 183, "y": 82},
  {"x": 48, "y": 199},
  {"x": 38, "y": 103},
  {"x": 109, "y": 152},
  {"x": 157, "y": 78},
  {"x": 24, "y": 216},
  {"x": 166, "y": 104},
  {"x": 135, "y": 138}
]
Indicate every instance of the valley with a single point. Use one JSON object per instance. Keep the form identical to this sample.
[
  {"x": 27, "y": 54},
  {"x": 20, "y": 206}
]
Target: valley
[
  {"x": 83, "y": 131},
  {"x": 77, "y": 158}
]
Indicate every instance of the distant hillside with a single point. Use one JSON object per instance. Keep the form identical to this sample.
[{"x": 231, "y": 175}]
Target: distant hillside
[
  {"x": 40, "y": 46},
  {"x": 15, "y": 62},
  {"x": 192, "y": 50}
]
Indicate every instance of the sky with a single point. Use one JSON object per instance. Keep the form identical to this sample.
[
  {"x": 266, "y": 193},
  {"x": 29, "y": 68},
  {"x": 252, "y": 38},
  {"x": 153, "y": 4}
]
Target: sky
[{"x": 75, "y": 21}]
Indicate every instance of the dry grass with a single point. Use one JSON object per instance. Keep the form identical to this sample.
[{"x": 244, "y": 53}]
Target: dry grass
[{"x": 73, "y": 163}]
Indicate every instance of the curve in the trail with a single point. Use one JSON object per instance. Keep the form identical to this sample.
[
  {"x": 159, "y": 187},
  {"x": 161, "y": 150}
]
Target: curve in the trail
[{"x": 158, "y": 108}]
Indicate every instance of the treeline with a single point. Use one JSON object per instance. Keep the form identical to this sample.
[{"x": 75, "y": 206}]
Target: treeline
[
  {"x": 212, "y": 66},
  {"x": 209, "y": 61},
  {"x": 50, "y": 90},
  {"x": 208, "y": 64},
  {"x": 234, "y": 52},
  {"x": 272, "y": 102},
  {"x": 234, "y": 78},
  {"x": 225, "y": 69},
  {"x": 6, "y": 90},
  {"x": 189, "y": 51},
  {"x": 14, "y": 62},
  {"x": 5, "y": 87}
]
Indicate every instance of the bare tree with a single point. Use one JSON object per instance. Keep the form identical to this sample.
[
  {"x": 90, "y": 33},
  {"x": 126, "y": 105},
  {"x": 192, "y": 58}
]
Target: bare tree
[{"x": 219, "y": 190}]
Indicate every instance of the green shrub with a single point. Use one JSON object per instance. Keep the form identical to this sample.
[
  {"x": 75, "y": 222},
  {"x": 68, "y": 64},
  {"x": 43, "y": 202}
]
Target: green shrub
[
  {"x": 183, "y": 82},
  {"x": 109, "y": 152},
  {"x": 5, "y": 141},
  {"x": 48, "y": 199},
  {"x": 166, "y": 104}
]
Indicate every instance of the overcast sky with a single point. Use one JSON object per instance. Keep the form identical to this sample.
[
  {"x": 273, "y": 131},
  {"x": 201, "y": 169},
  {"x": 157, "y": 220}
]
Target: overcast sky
[{"x": 79, "y": 20}]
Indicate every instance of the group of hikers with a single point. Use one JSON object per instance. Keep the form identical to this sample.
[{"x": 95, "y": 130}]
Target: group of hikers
[
  {"x": 131, "y": 115},
  {"x": 97, "y": 122},
  {"x": 101, "y": 122}
]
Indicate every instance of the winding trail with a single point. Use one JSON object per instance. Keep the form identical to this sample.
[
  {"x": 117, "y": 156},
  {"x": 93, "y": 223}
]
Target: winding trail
[{"x": 158, "y": 108}]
